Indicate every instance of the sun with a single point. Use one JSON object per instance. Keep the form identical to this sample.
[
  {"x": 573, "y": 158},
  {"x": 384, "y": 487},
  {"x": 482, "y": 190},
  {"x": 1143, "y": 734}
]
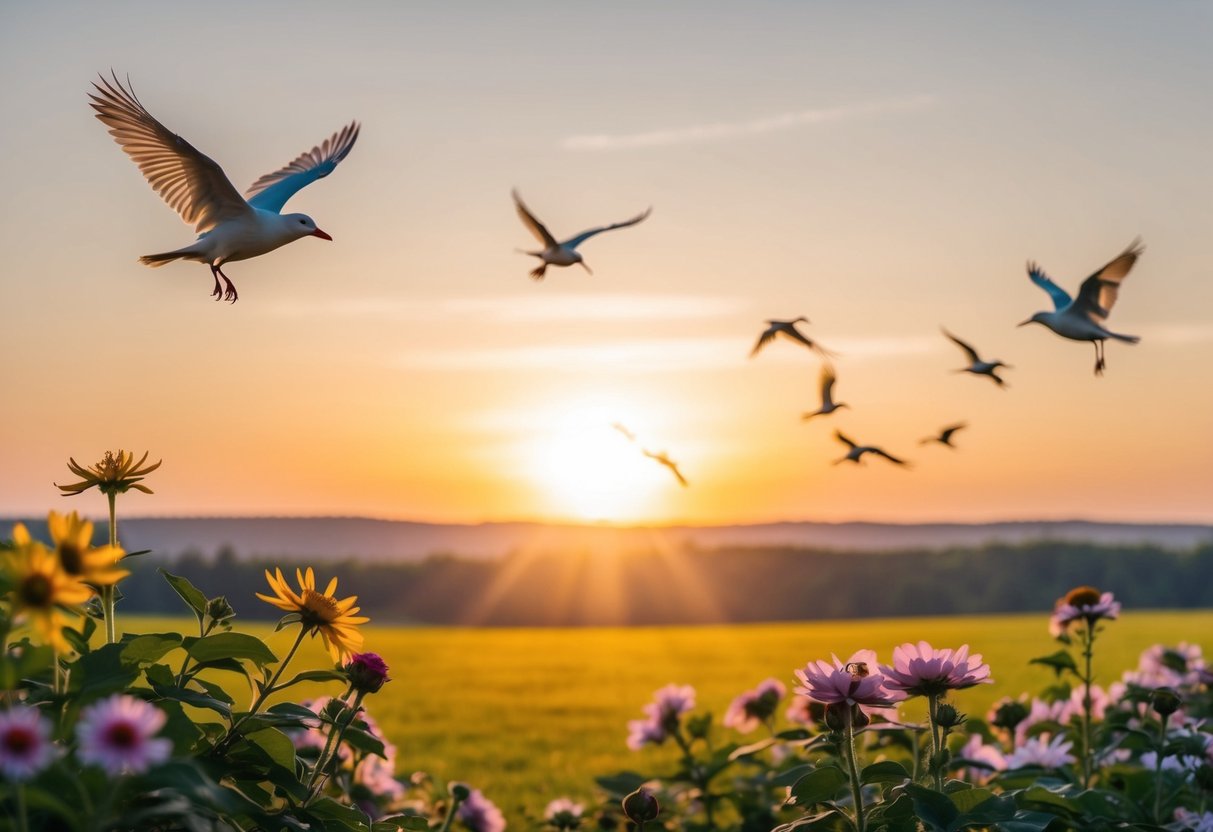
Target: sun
[{"x": 588, "y": 470}]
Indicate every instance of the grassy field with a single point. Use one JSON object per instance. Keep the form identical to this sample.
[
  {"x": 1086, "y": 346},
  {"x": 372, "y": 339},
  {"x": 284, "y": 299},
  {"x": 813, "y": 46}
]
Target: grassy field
[{"x": 532, "y": 714}]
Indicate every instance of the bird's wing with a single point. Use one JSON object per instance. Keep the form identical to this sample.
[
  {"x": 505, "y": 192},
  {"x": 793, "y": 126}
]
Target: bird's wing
[
  {"x": 765, "y": 338},
  {"x": 795, "y": 334},
  {"x": 573, "y": 242},
  {"x": 838, "y": 435},
  {"x": 678, "y": 474},
  {"x": 827, "y": 385},
  {"x": 535, "y": 226},
  {"x": 969, "y": 351},
  {"x": 887, "y": 456},
  {"x": 1098, "y": 293},
  {"x": 271, "y": 191},
  {"x": 190, "y": 182},
  {"x": 631, "y": 437},
  {"x": 1061, "y": 298},
  {"x": 951, "y": 429}
]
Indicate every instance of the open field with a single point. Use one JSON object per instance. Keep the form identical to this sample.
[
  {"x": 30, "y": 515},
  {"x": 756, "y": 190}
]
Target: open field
[{"x": 531, "y": 714}]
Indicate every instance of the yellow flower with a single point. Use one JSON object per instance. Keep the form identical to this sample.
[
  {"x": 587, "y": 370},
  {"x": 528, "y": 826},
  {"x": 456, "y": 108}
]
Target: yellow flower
[
  {"x": 114, "y": 474},
  {"x": 319, "y": 611},
  {"x": 41, "y": 591},
  {"x": 73, "y": 538}
]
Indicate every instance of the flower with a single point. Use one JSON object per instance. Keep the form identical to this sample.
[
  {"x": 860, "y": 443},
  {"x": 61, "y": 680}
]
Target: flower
[
  {"x": 641, "y": 806},
  {"x": 114, "y": 474},
  {"x": 118, "y": 734},
  {"x": 754, "y": 707},
  {"x": 367, "y": 672},
  {"x": 378, "y": 774},
  {"x": 563, "y": 813},
  {"x": 804, "y": 711},
  {"x": 1043, "y": 752},
  {"x": 41, "y": 590},
  {"x": 668, "y": 704},
  {"x": 1175, "y": 667},
  {"x": 480, "y": 814},
  {"x": 920, "y": 670},
  {"x": 1054, "y": 713},
  {"x": 73, "y": 538},
  {"x": 986, "y": 758},
  {"x": 25, "y": 743},
  {"x": 857, "y": 682},
  {"x": 1194, "y": 821},
  {"x": 319, "y": 612},
  {"x": 1083, "y": 602}
]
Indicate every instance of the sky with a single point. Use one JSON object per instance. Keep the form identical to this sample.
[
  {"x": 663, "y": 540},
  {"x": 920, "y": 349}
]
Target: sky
[{"x": 883, "y": 169}]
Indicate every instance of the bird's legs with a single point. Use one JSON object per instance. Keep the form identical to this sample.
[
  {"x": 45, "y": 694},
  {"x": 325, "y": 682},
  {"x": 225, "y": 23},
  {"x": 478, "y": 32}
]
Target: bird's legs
[
  {"x": 537, "y": 274},
  {"x": 1099, "y": 359},
  {"x": 230, "y": 293}
]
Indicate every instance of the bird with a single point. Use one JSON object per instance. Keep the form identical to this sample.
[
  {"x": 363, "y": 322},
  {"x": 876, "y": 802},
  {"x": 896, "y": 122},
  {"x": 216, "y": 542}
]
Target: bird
[
  {"x": 857, "y": 451},
  {"x": 788, "y": 329},
  {"x": 828, "y": 405},
  {"x": 619, "y": 426},
  {"x": 230, "y": 226},
  {"x": 565, "y": 253},
  {"x": 976, "y": 366},
  {"x": 665, "y": 460},
  {"x": 945, "y": 435},
  {"x": 1082, "y": 318}
]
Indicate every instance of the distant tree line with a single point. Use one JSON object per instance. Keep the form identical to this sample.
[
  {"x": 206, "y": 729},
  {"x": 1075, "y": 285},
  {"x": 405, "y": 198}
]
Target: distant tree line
[{"x": 718, "y": 585}]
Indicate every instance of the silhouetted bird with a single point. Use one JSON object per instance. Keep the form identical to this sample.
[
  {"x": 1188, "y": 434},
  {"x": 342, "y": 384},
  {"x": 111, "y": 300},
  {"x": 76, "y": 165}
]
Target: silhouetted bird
[
  {"x": 556, "y": 253},
  {"x": 668, "y": 463},
  {"x": 789, "y": 330},
  {"x": 828, "y": 405},
  {"x": 976, "y": 366},
  {"x": 856, "y": 451},
  {"x": 945, "y": 435}
]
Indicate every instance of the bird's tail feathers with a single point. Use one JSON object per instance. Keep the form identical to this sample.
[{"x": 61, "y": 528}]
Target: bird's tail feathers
[
  {"x": 157, "y": 260},
  {"x": 1128, "y": 339}
]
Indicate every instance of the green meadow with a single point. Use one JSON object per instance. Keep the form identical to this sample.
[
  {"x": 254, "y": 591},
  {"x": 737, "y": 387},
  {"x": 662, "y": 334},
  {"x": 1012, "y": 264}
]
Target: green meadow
[{"x": 531, "y": 714}]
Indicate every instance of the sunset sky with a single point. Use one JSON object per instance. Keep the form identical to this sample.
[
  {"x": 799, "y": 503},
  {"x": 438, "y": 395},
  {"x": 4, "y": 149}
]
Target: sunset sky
[{"x": 882, "y": 169}]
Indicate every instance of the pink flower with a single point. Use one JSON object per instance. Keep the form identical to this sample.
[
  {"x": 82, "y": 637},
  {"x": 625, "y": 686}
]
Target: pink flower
[
  {"x": 800, "y": 711},
  {"x": 480, "y": 814},
  {"x": 1043, "y": 752},
  {"x": 855, "y": 682},
  {"x": 920, "y": 670},
  {"x": 564, "y": 813},
  {"x": 989, "y": 756},
  {"x": 1194, "y": 821},
  {"x": 367, "y": 672},
  {"x": 754, "y": 707},
  {"x": 118, "y": 734},
  {"x": 378, "y": 774},
  {"x": 25, "y": 743},
  {"x": 661, "y": 718},
  {"x": 1058, "y": 713},
  {"x": 1172, "y": 667},
  {"x": 1082, "y": 602}
]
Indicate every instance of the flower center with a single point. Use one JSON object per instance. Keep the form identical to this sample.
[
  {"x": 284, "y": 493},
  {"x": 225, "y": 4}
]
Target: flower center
[
  {"x": 1083, "y": 596},
  {"x": 36, "y": 590},
  {"x": 319, "y": 609},
  {"x": 19, "y": 741},
  {"x": 122, "y": 735},
  {"x": 72, "y": 558}
]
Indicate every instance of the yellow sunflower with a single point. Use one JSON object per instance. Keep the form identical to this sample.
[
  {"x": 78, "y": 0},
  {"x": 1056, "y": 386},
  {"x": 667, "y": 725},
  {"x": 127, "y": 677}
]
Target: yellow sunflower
[
  {"x": 73, "y": 546},
  {"x": 41, "y": 591},
  {"x": 114, "y": 474},
  {"x": 319, "y": 611}
]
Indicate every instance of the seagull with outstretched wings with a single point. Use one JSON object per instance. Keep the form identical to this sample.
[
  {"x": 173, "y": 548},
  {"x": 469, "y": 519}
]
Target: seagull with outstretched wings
[{"x": 556, "y": 253}]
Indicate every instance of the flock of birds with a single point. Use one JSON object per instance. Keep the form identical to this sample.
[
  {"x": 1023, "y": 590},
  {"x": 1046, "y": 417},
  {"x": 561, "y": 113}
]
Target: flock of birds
[{"x": 233, "y": 227}]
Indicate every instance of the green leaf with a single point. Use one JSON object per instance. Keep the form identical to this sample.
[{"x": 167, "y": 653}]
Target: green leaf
[
  {"x": 229, "y": 646},
  {"x": 102, "y": 672},
  {"x": 31, "y": 662},
  {"x": 276, "y": 745},
  {"x": 1028, "y": 822},
  {"x": 818, "y": 786},
  {"x": 990, "y": 811},
  {"x": 886, "y": 771},
  {"x": 194, "y": 698},
  {"x": 333, "y": 816},
  {"x": 314, "y": 676},
  {"x": 789, "y": 777},
  {"x": 362, "y": 740},
  {"x": 793, "y": 734},
  {"x": 935, "y": 810},
  {"x": 1061, "y": 661},
  {"x": 621, "y": 784},
  {"x": 149, "y": 648},
  {"x": 969, "y": 798},
  {"x": 189, "y": 593},
  {"x": 409, "y": 823}
]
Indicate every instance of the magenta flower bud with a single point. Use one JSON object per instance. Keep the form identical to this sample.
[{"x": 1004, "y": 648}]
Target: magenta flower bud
[
  {"x": 640, "y": 806},
  {"x": 367, "y": 672}
]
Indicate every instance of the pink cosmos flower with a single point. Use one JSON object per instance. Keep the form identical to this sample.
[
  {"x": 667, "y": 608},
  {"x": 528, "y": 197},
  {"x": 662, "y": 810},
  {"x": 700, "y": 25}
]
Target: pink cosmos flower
[
  {"x": 990, "y": 756},
  {"x": 1082, "y": 602},
  {"x": 800, "y": 711},
  {"x": 858, "y": 681},
  {"x": 1042, "y": 751},
  {"x": 754, "y": 707},
  {"x": 1171, "y": 667},
  {"x": 661, "y": 718},
  {"x": 378, "y": 774},
  {"x": 25, "y": 743},
  {"x": 921, "y": 670},
  {"x": 118, "y": 734},
  {"x": 480, "y": 814},
  {"x": 1057, "y": 712},
  {"x": 564, "y": 813}
]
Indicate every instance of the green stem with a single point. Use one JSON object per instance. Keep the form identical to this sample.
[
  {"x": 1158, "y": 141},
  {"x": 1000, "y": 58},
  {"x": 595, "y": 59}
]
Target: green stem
[
  {"x": 107, "y": 592},
  {"x": 933, "y": 766},
  {"x": 336, "y": 748},
  {"x": 265, "y": 692},
  {"x": 853, "y": 771},
  {"x": 698, "y": 775},
  {"x": 1088, "y": 650},
  {"x": 450, "y": 814},
  {"x": 1162, "y": 744},
  {"x": 22, "y": 816}
]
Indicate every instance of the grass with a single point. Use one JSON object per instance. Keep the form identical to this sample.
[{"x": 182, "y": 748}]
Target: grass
[{"x": 531, "y": 714}]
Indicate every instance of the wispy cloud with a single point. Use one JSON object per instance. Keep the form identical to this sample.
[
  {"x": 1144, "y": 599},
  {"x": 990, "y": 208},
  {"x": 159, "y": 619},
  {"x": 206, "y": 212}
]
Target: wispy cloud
[
  {"x": 638, "y": 356},
  {"x": 513, "y": 309},
  {"x": 755, "y": 127}
]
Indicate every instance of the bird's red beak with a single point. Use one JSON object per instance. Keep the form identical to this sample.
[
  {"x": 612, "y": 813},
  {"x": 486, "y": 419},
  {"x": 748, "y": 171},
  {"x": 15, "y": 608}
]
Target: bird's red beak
[{"x": 321, "y": 235}]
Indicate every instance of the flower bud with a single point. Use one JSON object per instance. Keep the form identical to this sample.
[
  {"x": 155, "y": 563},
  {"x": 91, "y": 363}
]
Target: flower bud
[
  {"x": 946, "y": 716},
  {"x": 460, "y": 791},
  {"x": 641, "y": 806},
  {"x": 1010, "y": 714},
  {"x": 1165, "y": 701},
  {"x": 367, "y": 672}
]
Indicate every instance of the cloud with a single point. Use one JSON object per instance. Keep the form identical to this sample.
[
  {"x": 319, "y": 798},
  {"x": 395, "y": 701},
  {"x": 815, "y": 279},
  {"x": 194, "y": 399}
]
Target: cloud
[
  {"x": 756, "y": 127},
  {"x": 637, "y": 356}
]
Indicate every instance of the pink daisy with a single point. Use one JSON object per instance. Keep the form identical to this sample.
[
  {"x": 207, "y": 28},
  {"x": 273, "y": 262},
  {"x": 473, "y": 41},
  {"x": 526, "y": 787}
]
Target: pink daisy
[
  {"x": 661, "y": 716},
  {"x": 754, "y": 707},
  {"x": 480, "y": 814},
  {"x": 858, "y": 681},
  {"x": 25, "y": 743},
  {"x": 1042, "y": 751},
  {"x": 118, "y": 734},
  {"x": 1083, "y": 602},
  {"x": 920, "y": 670}
]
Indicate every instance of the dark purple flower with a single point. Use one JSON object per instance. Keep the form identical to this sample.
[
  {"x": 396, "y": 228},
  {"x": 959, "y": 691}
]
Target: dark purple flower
[{"x": 367, "y": 672}]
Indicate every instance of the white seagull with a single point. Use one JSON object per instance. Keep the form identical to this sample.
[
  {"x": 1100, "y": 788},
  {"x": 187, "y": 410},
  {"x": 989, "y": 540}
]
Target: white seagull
[
  {"x": 665, "y": 460},
  {"x": 1082, "y": 318},
  {"x": 945, "y": 435},
  {"x": 229, "y": 227},
  {"x": 828, "y": 405},
  {"x": 789, "y": 330},
  {"x": 856, "y": 452},
  {"x": 976, "y": 366},
  {"x": 565, "y": 253}
]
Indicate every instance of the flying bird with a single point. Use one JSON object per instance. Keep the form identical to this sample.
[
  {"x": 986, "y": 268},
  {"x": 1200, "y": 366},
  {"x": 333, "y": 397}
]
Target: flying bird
[
  {"x": 1082, "y": 318},
  {"x": 976, "y": 366},
  {"x": 230, "y": 227},
  {"x": 631, "y": 437},
  {"x": 828, "y": 405},
  {"x": 789, "y": 330},
  {"x": 665, "y": 460},
  {"x": 945, "y": 435},
  {"x": 856, "y": 451},
  {"x": 555, "y": 253}
]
